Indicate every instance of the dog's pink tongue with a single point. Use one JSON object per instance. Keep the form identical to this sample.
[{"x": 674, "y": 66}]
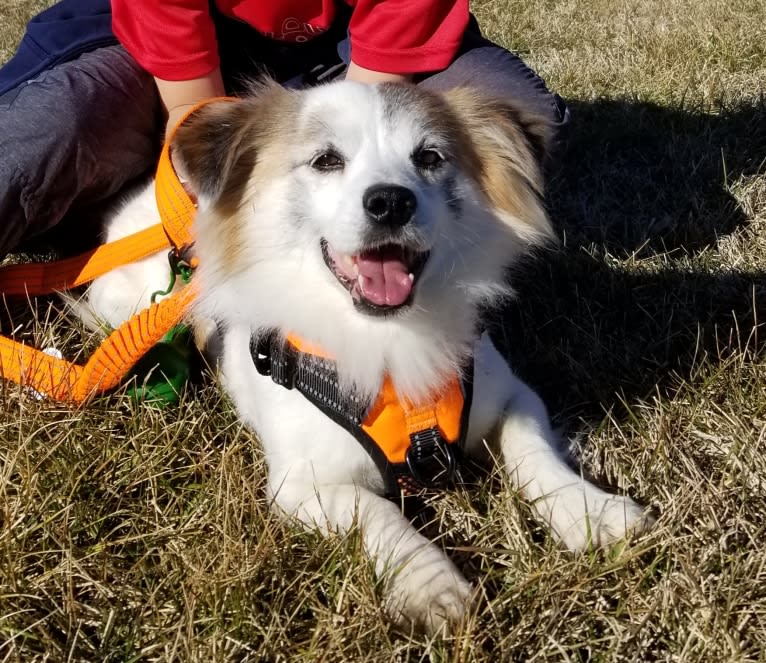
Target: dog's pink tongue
[{"x": 384, "y": 278}]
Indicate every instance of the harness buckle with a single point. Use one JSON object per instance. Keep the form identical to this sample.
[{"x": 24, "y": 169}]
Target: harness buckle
[
  {"x": 183, "y": 262},
  {"x": 431, "y": 459}
]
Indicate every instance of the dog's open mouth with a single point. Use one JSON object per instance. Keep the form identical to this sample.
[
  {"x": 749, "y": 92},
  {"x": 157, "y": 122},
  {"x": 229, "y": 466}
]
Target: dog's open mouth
[{"x": 380, "y": 279}]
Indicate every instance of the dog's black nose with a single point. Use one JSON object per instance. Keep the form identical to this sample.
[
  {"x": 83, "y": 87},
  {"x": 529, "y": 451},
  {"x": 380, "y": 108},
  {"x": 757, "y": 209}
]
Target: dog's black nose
[{"x": 389, "y": 204}]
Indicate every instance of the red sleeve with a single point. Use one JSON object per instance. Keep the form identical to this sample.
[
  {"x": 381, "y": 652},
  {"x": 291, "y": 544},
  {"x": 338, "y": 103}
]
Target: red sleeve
[
  {"x": 173, "y": 39},
  {"x": 407, "y": 36}
]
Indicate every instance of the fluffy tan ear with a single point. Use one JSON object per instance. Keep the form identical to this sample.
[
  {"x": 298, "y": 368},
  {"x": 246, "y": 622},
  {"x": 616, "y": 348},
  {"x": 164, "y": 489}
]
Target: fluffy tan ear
[
  {"x": 216, "y": 147},
  {"x": 510, "y": 146}
]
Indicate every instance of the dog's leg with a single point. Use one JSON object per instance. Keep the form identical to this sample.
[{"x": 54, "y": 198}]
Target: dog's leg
[
  {"x": 423, "y": 587},
  {"x": 579, "y": 513}
]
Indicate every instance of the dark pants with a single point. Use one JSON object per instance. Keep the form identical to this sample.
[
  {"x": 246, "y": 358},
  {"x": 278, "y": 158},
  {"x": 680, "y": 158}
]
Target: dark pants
[{"x": 80, "y": 130}]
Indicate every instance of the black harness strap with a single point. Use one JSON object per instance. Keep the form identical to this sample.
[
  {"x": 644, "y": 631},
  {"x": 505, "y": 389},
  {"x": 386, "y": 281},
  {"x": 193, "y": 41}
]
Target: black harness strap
[{"x": 431, "y": 461}]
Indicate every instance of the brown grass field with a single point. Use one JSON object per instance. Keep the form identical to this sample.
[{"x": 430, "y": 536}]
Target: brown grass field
[{"x": 132, "y": 534}]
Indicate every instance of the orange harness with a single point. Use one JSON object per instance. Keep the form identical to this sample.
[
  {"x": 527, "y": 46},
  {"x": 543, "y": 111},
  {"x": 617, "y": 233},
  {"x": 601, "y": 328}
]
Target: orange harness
[
  {"x": 119, "y": 352},
  {"x": 414, "y": 445}
]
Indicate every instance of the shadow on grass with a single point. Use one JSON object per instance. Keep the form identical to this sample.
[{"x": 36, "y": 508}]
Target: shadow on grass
[{"x": 638, "y": 180}]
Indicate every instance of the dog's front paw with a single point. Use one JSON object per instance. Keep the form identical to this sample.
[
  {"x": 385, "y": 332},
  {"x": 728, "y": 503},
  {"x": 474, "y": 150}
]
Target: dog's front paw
[
  {"x": 589, "y": 517},
  {"x": 428, "y": 592}
]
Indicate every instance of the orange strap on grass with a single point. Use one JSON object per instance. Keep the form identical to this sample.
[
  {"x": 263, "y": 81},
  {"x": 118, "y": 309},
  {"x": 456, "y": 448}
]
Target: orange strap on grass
[
  {"x": 109, "y": 364},
  {"x": 116, "y": 356}
]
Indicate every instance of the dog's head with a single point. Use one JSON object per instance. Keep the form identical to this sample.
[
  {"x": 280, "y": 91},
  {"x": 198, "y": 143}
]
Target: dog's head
[{"x": 362, "y": 206}]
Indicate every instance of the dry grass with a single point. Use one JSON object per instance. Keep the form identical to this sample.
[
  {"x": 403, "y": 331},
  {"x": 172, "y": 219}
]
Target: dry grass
[
  {"x": 13, "y": 17},
  {"x": 128, "y": 533}
]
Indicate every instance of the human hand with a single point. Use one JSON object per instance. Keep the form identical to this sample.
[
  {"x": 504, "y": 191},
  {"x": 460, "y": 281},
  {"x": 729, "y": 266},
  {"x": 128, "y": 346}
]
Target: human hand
[
  {"x": 178, "y": 97},
  {"x": 362, "y": 75},
  {"x": 174, "y": 117}
]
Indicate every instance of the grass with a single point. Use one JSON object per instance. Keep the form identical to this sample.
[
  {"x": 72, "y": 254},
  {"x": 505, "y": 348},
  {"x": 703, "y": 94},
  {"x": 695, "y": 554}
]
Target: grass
[{"x": 128, "y": 533}]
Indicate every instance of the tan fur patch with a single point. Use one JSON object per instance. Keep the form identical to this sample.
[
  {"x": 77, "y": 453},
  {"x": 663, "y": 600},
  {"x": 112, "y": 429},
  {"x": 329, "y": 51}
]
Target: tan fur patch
[
  {"x": 226, "y": 148},
  {"x": 499, "y": 145}
]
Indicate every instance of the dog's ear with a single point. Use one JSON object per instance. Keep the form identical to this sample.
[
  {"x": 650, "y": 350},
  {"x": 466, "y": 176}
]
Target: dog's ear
[
  {"x": 216, "y": 147},
  {"x": 208, "y": 149},
  {"x": 510, "y": 146}
]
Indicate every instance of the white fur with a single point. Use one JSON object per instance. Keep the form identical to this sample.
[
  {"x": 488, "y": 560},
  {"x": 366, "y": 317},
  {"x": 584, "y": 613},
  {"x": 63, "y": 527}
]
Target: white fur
[{"x": 319, "y": 473}]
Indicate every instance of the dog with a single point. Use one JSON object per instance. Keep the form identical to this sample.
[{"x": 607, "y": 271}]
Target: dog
[{"x": 376, "y": 224}]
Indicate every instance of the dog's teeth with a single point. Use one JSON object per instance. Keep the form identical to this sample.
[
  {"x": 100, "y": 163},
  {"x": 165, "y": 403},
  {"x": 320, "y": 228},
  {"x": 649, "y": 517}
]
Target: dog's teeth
[
  {"x": 363, "y": 280},
  {"x": 355, "y": 269},
  {"x": 411, "y": 277}
]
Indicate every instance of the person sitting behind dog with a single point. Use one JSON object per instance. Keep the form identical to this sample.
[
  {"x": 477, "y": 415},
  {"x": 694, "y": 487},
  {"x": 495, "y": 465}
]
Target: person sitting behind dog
[{"x": 86, "y": 100}]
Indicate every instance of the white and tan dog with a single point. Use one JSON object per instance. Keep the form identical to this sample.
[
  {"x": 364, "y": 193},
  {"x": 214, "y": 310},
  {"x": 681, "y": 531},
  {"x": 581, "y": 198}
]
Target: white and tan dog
[{"x": 376, "y": 221}]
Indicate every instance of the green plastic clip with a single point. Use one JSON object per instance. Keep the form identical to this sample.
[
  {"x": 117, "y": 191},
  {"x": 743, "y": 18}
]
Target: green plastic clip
[{"x": 161, "y": 373}]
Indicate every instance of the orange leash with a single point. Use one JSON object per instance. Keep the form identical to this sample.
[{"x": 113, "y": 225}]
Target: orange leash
[
  {"x": 119, "y": 352},
  {"x": 35, "y": 279},
  {"x": 107, "y": 367}
]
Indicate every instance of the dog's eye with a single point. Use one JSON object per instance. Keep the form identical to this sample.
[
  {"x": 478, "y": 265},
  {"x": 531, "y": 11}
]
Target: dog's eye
[
  {"x": 328, "y": 162},
  {"x": 427, "y": 159}
]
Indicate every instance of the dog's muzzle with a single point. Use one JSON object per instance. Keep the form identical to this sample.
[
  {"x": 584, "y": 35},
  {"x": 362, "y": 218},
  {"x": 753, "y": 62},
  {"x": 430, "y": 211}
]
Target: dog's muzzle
[{"x": 381, "y": 279}]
